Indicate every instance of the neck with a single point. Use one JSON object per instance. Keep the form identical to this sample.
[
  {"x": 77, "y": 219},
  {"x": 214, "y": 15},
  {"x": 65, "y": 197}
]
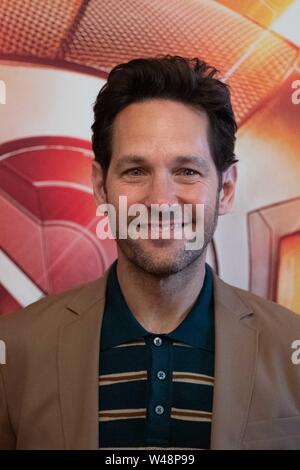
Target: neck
[{"x": 160, "y": 304}]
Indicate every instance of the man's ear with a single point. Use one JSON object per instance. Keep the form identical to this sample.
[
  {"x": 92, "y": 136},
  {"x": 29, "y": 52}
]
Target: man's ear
[
  {"x": 98, "y": 183},
  {"x": 226, "y": 195}
]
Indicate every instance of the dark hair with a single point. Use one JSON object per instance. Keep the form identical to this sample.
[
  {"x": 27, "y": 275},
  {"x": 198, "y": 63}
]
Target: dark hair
[{"x": 189, "y": 81}]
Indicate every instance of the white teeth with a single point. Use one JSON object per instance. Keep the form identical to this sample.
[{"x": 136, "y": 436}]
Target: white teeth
[
  {"x": 157, "y": 226},
  {"x": 171, "y": 226}
]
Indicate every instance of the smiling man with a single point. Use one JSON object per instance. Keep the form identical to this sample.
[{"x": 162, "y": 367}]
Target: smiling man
[{"x": 159, "y": 352}]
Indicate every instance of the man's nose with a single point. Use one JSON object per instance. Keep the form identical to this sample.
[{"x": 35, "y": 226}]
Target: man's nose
[{"x": 162, "y": 191}]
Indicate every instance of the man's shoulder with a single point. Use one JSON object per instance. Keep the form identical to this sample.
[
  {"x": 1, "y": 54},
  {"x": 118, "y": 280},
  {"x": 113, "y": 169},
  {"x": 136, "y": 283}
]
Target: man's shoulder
[
  {"x": 51, "y": 310},
  {"x": 265, "y": 306},
  {"x": 32, "y": 334},
  {"x": 277, "y": 327},
  {"x": 243, "y": 301},
  {"x": 269, "y": 313}
]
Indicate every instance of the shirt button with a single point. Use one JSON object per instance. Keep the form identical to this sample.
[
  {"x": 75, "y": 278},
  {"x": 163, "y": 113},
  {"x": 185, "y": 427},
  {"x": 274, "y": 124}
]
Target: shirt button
[
  {"x": 159, "y": 409},
  {"x": 161, "y": 375},
  {"x": 157, "y": 341}
]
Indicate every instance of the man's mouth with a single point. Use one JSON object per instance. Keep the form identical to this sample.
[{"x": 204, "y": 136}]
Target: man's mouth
[{"x": 160, "y": 226}]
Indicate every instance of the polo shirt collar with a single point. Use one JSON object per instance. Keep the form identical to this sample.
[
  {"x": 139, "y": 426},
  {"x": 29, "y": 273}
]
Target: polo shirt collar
[
  {"x": 120, "y": 325},
  {"x": 197, "y": 329}
]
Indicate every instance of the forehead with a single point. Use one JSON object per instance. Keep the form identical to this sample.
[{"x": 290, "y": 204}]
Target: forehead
[{"x": 160, "y": 125}]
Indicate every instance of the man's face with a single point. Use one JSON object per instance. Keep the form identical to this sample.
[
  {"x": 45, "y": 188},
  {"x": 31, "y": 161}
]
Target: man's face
[{"x": 161, "y": 155}]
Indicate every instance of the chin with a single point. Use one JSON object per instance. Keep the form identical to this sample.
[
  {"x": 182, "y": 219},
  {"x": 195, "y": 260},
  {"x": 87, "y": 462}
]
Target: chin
[
  {"x": 159, "y": 262},
  {"x": 159, "y": 268}
]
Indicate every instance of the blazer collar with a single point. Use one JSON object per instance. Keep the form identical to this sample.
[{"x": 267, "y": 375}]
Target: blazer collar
[{"x": 93, "y": 292}]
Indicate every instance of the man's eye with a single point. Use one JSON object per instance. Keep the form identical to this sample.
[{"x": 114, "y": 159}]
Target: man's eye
[
  {"x": 189, "y": 172},
  {"x": 134, "y": 172}
]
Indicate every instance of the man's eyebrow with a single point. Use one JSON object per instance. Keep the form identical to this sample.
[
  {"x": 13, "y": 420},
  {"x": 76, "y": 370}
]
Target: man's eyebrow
[
  {"x": 194, "y": 160},
  {"x": 198, "y": 161},
  {"x": 129, "y": 159}
]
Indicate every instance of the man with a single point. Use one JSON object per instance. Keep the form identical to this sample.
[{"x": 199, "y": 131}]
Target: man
[{"x": 159, "y": 352}]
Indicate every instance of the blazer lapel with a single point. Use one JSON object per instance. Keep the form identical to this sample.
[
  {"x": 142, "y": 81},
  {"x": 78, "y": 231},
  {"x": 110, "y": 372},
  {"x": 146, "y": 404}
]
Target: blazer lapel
[
  {"x": 78, "y": 365},
  {"x": 236, "y": 346}
]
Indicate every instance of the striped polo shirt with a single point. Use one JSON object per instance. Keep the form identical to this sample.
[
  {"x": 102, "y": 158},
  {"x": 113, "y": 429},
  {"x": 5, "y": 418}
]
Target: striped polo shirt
[{"x": 156, "y": 390}]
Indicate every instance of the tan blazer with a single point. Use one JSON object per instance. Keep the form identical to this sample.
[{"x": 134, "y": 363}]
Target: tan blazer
[{"x": 49, "y": 384}]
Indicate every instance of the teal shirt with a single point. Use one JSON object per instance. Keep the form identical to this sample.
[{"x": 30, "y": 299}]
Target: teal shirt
[{"x": 156, "y": 390}]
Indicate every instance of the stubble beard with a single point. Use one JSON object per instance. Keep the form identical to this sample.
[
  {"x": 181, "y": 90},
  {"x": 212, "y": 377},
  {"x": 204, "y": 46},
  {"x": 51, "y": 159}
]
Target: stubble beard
[{"x": 179, "y": 261}]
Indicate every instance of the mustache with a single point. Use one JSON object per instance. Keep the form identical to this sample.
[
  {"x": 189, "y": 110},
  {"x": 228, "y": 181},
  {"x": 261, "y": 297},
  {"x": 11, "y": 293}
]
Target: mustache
[{"x": 161, "y": 220}]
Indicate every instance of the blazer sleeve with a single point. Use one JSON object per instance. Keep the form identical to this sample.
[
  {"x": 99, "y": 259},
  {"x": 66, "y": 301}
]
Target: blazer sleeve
[{"x": 7, "y": 436}]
